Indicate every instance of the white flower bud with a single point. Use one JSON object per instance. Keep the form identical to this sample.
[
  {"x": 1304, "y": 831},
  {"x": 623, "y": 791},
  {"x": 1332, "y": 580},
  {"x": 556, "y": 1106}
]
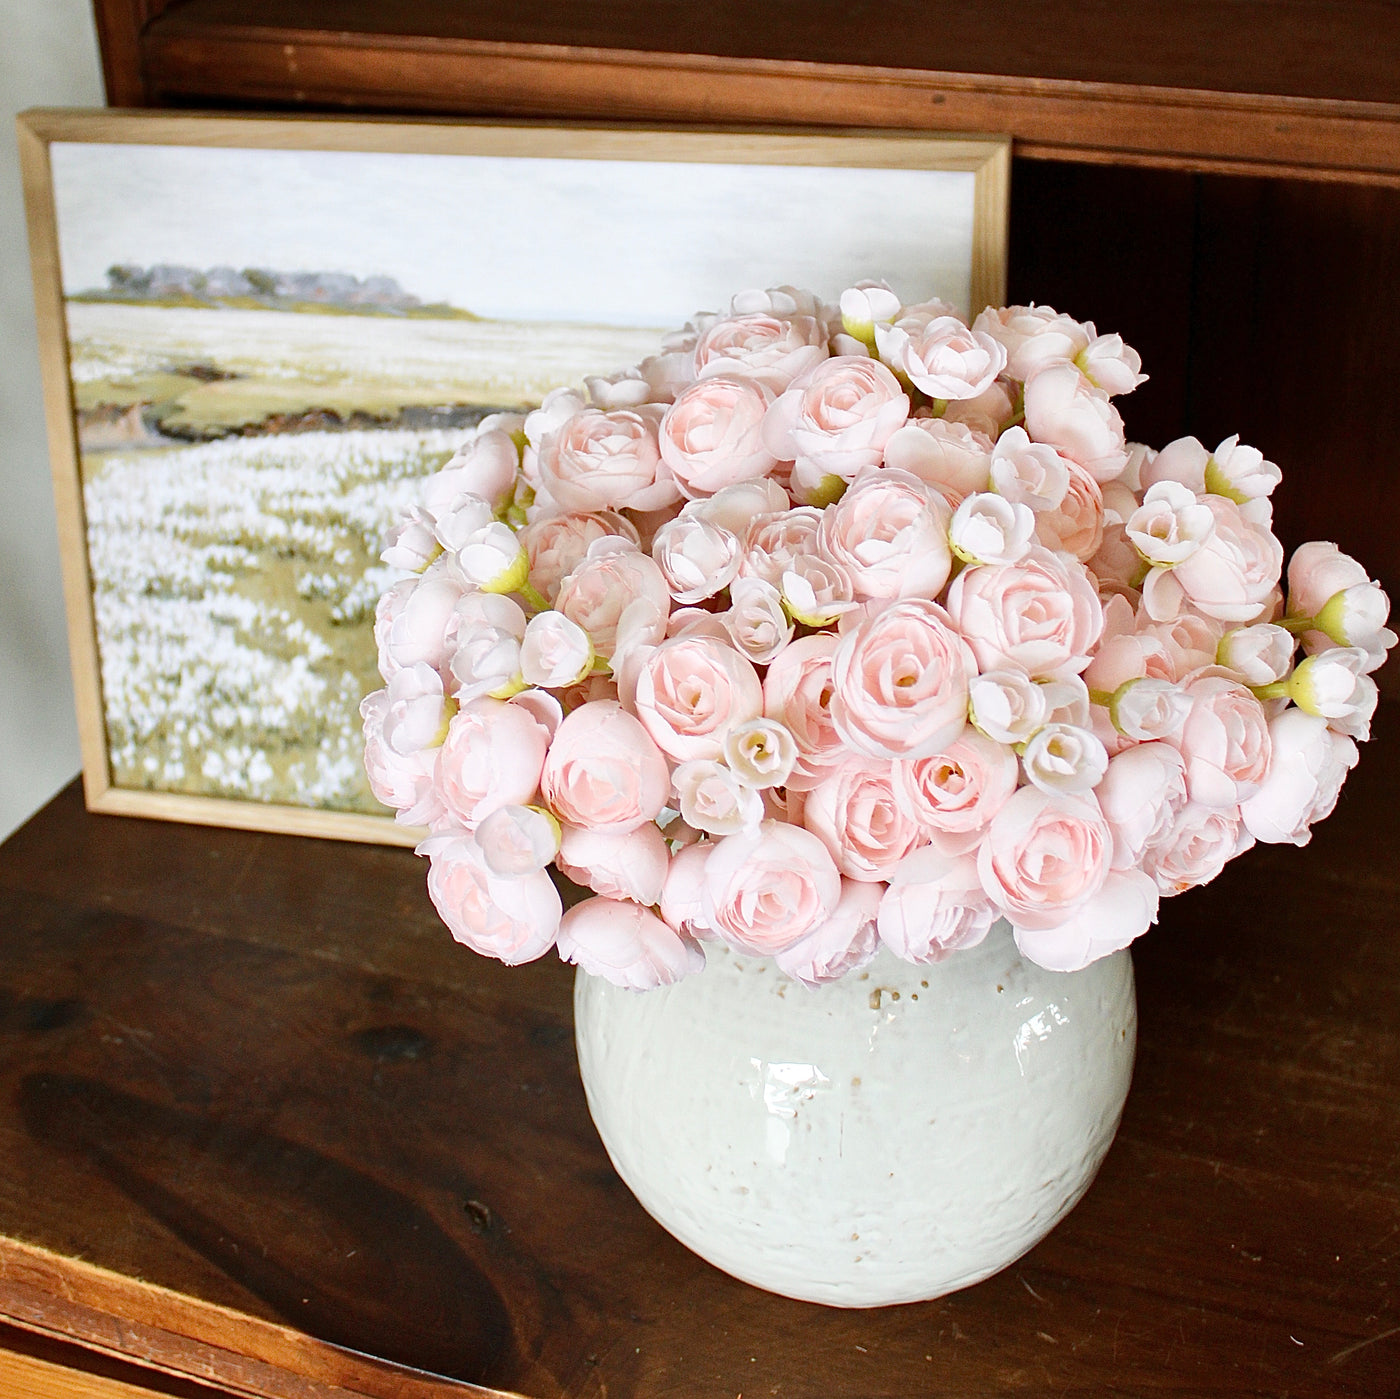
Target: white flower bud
[
  {"x": 1170, "y": 524},
  {"x": 1258, "y": 655},
  {"x": 761, "y": 753},
  {"x": 1064, "y": 758},
  {"x": 1006, "y": 705},
  {"x": 989, "y": 529},
  {"x": 712, "y": 798},
  {"x": 555, "y": 651},
  {"x": 518, "y": 840}
]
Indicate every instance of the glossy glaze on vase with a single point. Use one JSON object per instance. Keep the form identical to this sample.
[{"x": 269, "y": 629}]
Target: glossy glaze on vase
[{"x": 890, "y": 1137}]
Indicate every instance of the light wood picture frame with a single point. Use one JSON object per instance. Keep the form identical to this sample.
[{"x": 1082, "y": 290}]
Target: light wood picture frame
[{"x": 305, "y": 310}]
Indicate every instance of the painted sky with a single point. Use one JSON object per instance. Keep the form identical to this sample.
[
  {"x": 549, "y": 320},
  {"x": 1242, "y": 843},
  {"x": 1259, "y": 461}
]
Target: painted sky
[{"x": 605, "y": 242}]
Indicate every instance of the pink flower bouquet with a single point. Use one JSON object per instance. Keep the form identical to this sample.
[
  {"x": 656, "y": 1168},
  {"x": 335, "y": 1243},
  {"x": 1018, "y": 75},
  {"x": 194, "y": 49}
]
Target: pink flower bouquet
[{"x": 830, "y": 627}]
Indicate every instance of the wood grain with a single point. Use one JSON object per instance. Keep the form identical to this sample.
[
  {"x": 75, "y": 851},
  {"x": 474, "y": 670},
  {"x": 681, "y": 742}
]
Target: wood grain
[{"x": 261, "y": 1115}]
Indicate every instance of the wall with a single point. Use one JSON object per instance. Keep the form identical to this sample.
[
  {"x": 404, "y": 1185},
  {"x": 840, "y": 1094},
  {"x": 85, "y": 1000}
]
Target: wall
[{"x": 48, "y": 58}]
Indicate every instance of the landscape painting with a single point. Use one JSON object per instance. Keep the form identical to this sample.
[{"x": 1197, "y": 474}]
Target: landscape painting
[{"x": 268, "y": 348}]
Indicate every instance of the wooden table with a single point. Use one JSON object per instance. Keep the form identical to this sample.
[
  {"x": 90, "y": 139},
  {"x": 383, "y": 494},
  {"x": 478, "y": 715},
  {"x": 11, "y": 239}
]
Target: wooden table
[{"x": 264, "y": 1124}]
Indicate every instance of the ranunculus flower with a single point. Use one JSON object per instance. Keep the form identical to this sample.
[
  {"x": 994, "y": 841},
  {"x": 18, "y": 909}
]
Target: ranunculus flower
[
  {"x": 1258, "y": 655},
  {"x": 1028, "y": 473},
  {"x": 1064, "y": 409},
  {"x": 555, "y": 651},
  {"x": 697, "y": 557},
  {"x": 836, "y": 419},
  {"x": 934, "y": 905},
  {"x": 411, "y": 542},
  {"x": 772, "y": 350},
  {"x": 1198, "y": 845},
  {"x": 954, "y": 794},
  {"x": 1064, "y": 758},
  {"x": 597, "y": 461},
  {"x": 1076, "y": 525},
  {"x": 855, "y": 812},
  {"x": 817, "y": 590},
  {"x": 761, "y": 753},
  {"x": 1140, "y": 796},
  {"x": 713, "y": 799},
  {"x": 484, "y": 465},
  {"x": 1309, "y": 765},
  {"x": 767, "y": 889},
  {"x": 889, "y": 532},
  {"x": 491, "y": 757},
  {"x": 1224, "y": 742},
  {"x": 756, "y": 622},
  {"x": 987, "y": 528},
  {"x": 461, "y": 518},
  {"x": 626, "y": 944},
  {"x": 1332, "y": 684},
  {"x": 797, "y": 693},
  {"x": 1041, "y": 614},
  {"x": 1109, "y": 364},
  {"x": 954, "y": 459},
  {"x": 844, "y": 943},
  {"x": 712, "y": 435},
  {"x": 1034, "y": 337},
  {"x": 417, "y": 627},
  {"x": 1240, "y": 473},
  {"x": 614, "y": 585},
  {"x": 403, "y": 781},
  {"x": 940, "y": 355},
  {"x": 773, "y": 541},
  {"x": 603, "y": 771},
  {"x": 486, "y": 632},
  {"x": 690, "y": 691},
  {"x": 736, "y": 507},
  {"x": 1044, "y": 856},
  {"x": 617, "y": 864},
  {"x": 517, "y": 840},
  {"x": 1351, "y": 610},
  {"x": 1148, "y": 708},
  {"x": 682, "y": 895},
  {"x": 1122, "y": 910},
  {"x": 514, "y": 920},
  {"x": 900, "y": 681},
  {"x": 1007, "y": 705},
  {"x": 416, "y": 711},
  {"x": 557, "y": 544},
  {"x": 864, "y": 306}
]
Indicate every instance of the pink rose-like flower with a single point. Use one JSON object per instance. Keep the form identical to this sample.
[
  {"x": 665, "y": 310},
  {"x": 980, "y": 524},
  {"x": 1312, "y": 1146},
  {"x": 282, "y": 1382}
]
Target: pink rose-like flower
[
  {"x": 484, "y": 465},
  {"x": 603, "y": 771},
  {"x": 987, "y": 528},
  {"x": 1230, "y": 577},
  {"x": 1044, "y": 856},
  {"x": 889, "y": 533},
  {"x": 1109, "y": 364},
  {"x": 697, "y": 557},
  {"x": 401, "y": 780},
  {"x": 682, "y": 895},
  {"x": 712, "y": 435},
  {"x": 773, "y": 541},
  {"x": 736, "y": 507},
  {"x": 596, "y": 461},
  {"x": 934, "y": 906},
  {"x": 615, "y": 592},
  {"x": 1224, "y": 742},
  {"x": 555, "y": 651},
  {"x": 854, "y": 811},
  {"x": 772, "y": 350},
  {"x": 1201, "y": 841},
  {"x": 1034, "y": 337},
  {"x": 711, "y": 798},
  {"x": 1140, "y": 796},
  {"x": 627, "y": 945},
  {"x": 411, "y": 542},
  {"x": 517, "y": 840},
  {"x": 1041, "y": 614},
  {"x": 1122, "y": 910},
  {"x": 844, "y": 943},
  {"x": 767, "y": 889},
  {"x": 556, "y": 545},
  {"x": 1309, "y": 765},
  {"x": 797, "y": 693},
  {"x": 491, "y": 757},
  {"x": 415, "y": 710},
  {"x": 952, "y": 458},
  {"x": 1351, "y": 609},
  {"x": 513, "y": 920},
  {"x": 617, "y": 864},
  {"x": 836, "y": 418},
  {"x": 899, "y": 681},
  {"x": 1076, "y": 525},
  {"x": 755, "y": 621},
  {"x": 1064, "y": 409},
  {"x": 486, "y": 631},
  {"x": 941, "y": 356},
  {"x": 954, "y": 794},
  {"x": 690, "y": 691},
  {"x": 417, "y": 625}
]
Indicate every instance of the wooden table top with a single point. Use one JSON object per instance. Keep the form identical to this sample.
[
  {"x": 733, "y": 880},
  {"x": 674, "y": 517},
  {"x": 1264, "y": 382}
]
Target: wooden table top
[{"x": 264, "y": 1124}]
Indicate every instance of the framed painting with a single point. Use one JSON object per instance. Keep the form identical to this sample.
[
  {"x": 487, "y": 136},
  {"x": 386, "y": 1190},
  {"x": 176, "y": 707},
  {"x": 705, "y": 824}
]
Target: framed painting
[{"x": 259, "y": 333}]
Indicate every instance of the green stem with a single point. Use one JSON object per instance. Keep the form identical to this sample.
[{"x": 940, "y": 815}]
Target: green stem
[
  {"x": 533, "y": 596},
  {"x": 1297, "y": 625},
  {"x": 1277, "y": 690},
  {"x": 1103, "y": 697}
]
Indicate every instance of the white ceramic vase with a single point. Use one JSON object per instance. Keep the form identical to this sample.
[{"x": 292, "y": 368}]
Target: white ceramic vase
[{"x": 896, "y": 1135}]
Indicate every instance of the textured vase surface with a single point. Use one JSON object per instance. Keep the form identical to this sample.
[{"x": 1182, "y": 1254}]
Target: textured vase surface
[{"x": 890, "y": 1137}]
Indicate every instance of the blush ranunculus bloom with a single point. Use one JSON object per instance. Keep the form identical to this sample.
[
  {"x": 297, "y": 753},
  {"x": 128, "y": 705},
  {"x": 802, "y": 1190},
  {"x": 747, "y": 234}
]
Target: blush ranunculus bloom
[
  {"x": 941, "y": 356},
  {"x": 773, "y": 541},
  {"x": 757, "y": 624},
  {"x": 690, "y": 691},
  {"x": 616, "y": 591},
  {"x": 855, "y": 812},
  {"x": 1044, "y": 856},
  {"x": 1041, "y": 614},
  {"x": 889, "y": 533},
  {"x": 1196, "y": 847},
  {"x": 844, "y": 943},
  {"x": 697, "y": 557},
  {"x": 403, "y": 781},
  {"x": 1120, "y": 912},
  {"x": 836, "y": 418},
  {"x": 416, "y": 627},
  {"x": 934, "y": 905},
  {"x": 1033, "y": 336},
  {"x": 626, "y": 944},
  {"x": 1309, "y": 765},
  {"x": 485, "y": 465},
  {"x": 1224, "y": 742},
  {"x": 768, "y": 888},
  {"x": 953, "y": 794},
  {"x": 899, "y": 681},
  {"x": 557, "y": 544},
  {"x": 513, "y": 920},
  {"x": 491, "y": 757},
  {"x": 1076, "y": 525},
  {"x": 952, "y": 458},
  {"x": 617, "y": 864},
  {"x": 596, "y": 460},
  {"x": 1140, "y": 796},
  {"x": 772, "y": 350},
  {"x": 1065, "y": 410},
  {"x": 712, "y": 435},
  {"x": 603, "y": 771},
  {"x": 797, "y": 691}
]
